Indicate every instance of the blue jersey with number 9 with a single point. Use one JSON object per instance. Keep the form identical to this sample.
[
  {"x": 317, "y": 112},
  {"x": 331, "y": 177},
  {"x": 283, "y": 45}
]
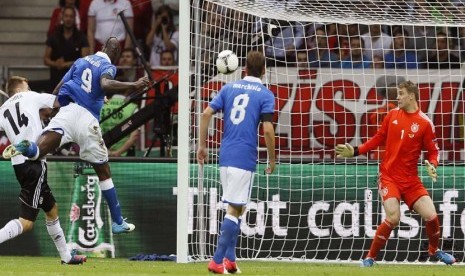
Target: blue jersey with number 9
[
  {"x": 242, "y": 102},
  {"x": 81, "y": 84}
]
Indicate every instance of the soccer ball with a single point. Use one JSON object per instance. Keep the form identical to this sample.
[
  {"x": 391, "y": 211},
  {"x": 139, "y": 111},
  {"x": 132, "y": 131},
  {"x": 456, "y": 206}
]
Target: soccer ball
[{"x": 227, "y": 62}]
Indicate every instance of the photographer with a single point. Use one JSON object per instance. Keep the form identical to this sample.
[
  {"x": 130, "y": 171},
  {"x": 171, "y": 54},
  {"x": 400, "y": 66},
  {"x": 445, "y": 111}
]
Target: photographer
[{"x": 163, "y": 35}]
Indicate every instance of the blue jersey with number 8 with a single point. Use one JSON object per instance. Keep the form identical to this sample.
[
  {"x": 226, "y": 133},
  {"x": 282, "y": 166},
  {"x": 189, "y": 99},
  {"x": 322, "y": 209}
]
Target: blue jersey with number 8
[
  {"x": 242, "y": 102},
  {"x": 81, "y": 84}
]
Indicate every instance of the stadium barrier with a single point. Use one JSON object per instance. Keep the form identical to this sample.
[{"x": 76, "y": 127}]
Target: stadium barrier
[{"x": 323, "y": 218}]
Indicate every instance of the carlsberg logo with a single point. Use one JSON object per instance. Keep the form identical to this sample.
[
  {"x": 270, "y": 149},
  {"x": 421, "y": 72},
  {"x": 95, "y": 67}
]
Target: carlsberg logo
[{"x": 91, "y": 221}]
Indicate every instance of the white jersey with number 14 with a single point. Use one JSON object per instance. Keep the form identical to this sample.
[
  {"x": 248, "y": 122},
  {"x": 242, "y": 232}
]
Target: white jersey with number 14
[{"x": 20, "y": 117}]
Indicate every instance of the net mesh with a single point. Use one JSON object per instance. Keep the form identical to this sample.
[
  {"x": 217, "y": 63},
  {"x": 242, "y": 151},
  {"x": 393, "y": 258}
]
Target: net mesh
[{"x": 333, "y": 67}]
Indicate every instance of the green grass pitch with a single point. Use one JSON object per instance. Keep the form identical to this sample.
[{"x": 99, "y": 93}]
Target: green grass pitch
[{"x": 50, "y": 266}]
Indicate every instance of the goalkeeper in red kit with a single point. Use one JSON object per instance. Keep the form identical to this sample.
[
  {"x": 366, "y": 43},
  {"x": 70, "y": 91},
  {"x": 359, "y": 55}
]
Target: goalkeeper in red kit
[{"x": 405, "y": 131}]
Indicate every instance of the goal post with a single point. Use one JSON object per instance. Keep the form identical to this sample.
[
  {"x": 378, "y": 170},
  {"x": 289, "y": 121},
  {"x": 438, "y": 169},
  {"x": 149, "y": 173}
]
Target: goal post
[{"x": 316, "y": 207}]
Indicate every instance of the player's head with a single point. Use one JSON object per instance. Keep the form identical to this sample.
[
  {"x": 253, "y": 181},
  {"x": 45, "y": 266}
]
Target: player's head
[
  {"x": 17, "y": 84},
  {"x": 255, "y": 64},
  {"x": 407, "y": 95},
  {"x": 113, "y": 49}
]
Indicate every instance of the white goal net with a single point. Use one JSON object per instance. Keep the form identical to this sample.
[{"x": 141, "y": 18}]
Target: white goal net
[{"x": 332, "y": 66}]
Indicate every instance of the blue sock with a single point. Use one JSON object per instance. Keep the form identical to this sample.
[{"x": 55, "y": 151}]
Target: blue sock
[
  {"x": 227, "y": 232},
  {"x": 29, "y": 151},
  {"x": 231, "y": 251},
  {"x": 113, "y": 203}
]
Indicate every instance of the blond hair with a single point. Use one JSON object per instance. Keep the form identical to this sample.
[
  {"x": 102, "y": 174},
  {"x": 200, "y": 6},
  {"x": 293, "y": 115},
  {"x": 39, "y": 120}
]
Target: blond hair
[
  {"x": 13, "y": 83},
  {"x": 412, "y": 88}
]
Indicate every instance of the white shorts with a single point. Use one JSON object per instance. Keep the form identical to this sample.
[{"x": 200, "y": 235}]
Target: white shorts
[
  {"x": 237, "y": 185},
  {"x": 78, "y": 125}
]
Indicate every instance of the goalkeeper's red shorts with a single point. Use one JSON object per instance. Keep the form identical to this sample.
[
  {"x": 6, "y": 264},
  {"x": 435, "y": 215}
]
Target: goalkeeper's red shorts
[{"x": 409, "y": 192}]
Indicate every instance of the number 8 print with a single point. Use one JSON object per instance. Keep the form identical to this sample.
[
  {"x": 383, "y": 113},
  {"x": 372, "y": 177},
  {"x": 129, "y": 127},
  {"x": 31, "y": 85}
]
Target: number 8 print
[{"x": 238, "y": 112}]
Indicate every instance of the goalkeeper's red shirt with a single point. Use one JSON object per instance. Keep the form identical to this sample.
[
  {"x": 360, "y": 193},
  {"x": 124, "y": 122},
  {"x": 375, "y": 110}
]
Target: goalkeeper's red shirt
[{"x": 405, "y": 136}]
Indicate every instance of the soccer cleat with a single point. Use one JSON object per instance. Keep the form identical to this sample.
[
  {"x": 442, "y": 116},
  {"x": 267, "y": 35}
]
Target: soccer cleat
[
  {"x": 231, "y": 267},
  {"x": 24, "y": 147},
  {"x": 122, "y": 228},
  {"x": 368, "y": 262},
  {"x": 75, "y": 259},
  {"x": 217, "y": 268},
  {"x": 444, "y": 257},
  {"x": 10, "y": 151}
]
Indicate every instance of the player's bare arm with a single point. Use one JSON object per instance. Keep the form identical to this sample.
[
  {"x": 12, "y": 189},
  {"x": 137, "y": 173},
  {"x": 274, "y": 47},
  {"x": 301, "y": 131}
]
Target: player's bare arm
[
  {"x": 268, "y": 132},
  {"x": 202, "y": 153},
  {"x": 113, "y": 86},
  {"x": 57, "y": 88}
]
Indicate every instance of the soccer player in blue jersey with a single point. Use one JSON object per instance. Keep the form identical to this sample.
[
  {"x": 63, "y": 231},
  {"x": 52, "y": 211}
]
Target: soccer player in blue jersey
[
  {"x": 81, "y": 95},
  {"x": 244, "y": 104}
]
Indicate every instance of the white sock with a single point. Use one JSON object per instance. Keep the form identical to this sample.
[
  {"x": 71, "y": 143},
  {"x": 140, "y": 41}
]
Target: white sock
[
  {"x": 58, "y": 237},
  {"x": 12, "y": 229}
]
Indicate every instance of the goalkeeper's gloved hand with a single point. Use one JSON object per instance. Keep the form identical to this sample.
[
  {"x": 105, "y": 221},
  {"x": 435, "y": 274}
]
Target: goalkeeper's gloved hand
[
  {"x": 344, "y": 150},
  {"x": 431, "y": 170}
]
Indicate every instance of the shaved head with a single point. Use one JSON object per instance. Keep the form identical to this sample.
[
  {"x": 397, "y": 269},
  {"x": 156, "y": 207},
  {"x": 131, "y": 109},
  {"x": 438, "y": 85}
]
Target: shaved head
[{"x": 113, "y": 49}]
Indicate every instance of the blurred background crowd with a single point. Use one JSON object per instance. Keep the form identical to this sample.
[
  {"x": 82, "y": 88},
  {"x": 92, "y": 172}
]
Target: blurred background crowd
[{"x": 78, "y": 28}]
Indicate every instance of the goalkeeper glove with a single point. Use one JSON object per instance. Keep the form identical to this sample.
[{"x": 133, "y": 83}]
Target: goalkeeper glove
[
  {"x": 431, "y": 170},
  {"x": 346, "y": 150}
]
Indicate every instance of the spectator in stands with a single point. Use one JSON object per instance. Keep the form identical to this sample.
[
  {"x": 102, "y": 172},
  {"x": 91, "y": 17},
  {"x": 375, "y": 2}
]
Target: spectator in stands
[
  {"x": 442, "y": 57},
  {"x": 281, "y": 48},
  {"x": 302, "y": 59},
  {"x": 321, "y": 56},
  {"x": 103, "y": 22},
  {"x": 163, "y": 34},
  {"x": 83, "y": 12},
  {"x": 173, "y": 4},
  {"x": 66, "y": 45},
  {"x": 461, "y": 36},
  {"x": 422, "y": 40},
  {"x": 399, "y": 57},
  {"x": 422, "y": 37},
  {"x": 167, "y": 58},
  {"x": 128, "y": 60},
  {"x": 343, "y": 49},
  {"x": 376, "y": 42},
  {"x": 57, "y": 15},
  {"x": 356, "y": 59},
  {"x": 211, "y": 42},
  {"x": 125, "y": 146},
  {"x": 331, "y": 33},
  {"x": 345, "y": 31},
  {"x": 378, "y": 62},
  {"x": 460, "y": 47},
  {"x": 142, "y": 10},
  {"x": 348, "y": 30}
]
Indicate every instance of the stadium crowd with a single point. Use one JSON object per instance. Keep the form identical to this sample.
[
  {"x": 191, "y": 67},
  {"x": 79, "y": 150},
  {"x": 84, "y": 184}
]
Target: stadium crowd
[{"x": 79, "y": 27}]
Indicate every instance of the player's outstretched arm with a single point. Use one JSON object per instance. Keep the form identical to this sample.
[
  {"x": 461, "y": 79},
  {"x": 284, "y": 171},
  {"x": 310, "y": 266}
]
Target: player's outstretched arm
[
  {"x": 431, "y": 171},
  {"x": 57, "y": 88},
  {"x": 268, "y": 132},
  {"x": 202, "y": 153},
  {"x": 345, "y": 151},
  {"x": 114, "y": 86}
]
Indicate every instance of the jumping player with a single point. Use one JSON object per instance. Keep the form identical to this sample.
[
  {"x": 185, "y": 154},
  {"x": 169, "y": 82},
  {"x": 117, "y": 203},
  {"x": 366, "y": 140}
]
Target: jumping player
[{"x": 81, "y": 95}]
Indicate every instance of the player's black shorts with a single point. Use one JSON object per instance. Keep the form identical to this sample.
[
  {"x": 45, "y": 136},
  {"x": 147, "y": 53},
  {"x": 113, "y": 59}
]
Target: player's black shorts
[{"x": 35, "y": 192}]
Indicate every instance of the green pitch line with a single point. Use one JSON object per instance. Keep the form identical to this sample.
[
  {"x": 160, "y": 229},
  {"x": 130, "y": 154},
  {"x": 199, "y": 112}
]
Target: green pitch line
[{"x": 48, "y": 266}]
